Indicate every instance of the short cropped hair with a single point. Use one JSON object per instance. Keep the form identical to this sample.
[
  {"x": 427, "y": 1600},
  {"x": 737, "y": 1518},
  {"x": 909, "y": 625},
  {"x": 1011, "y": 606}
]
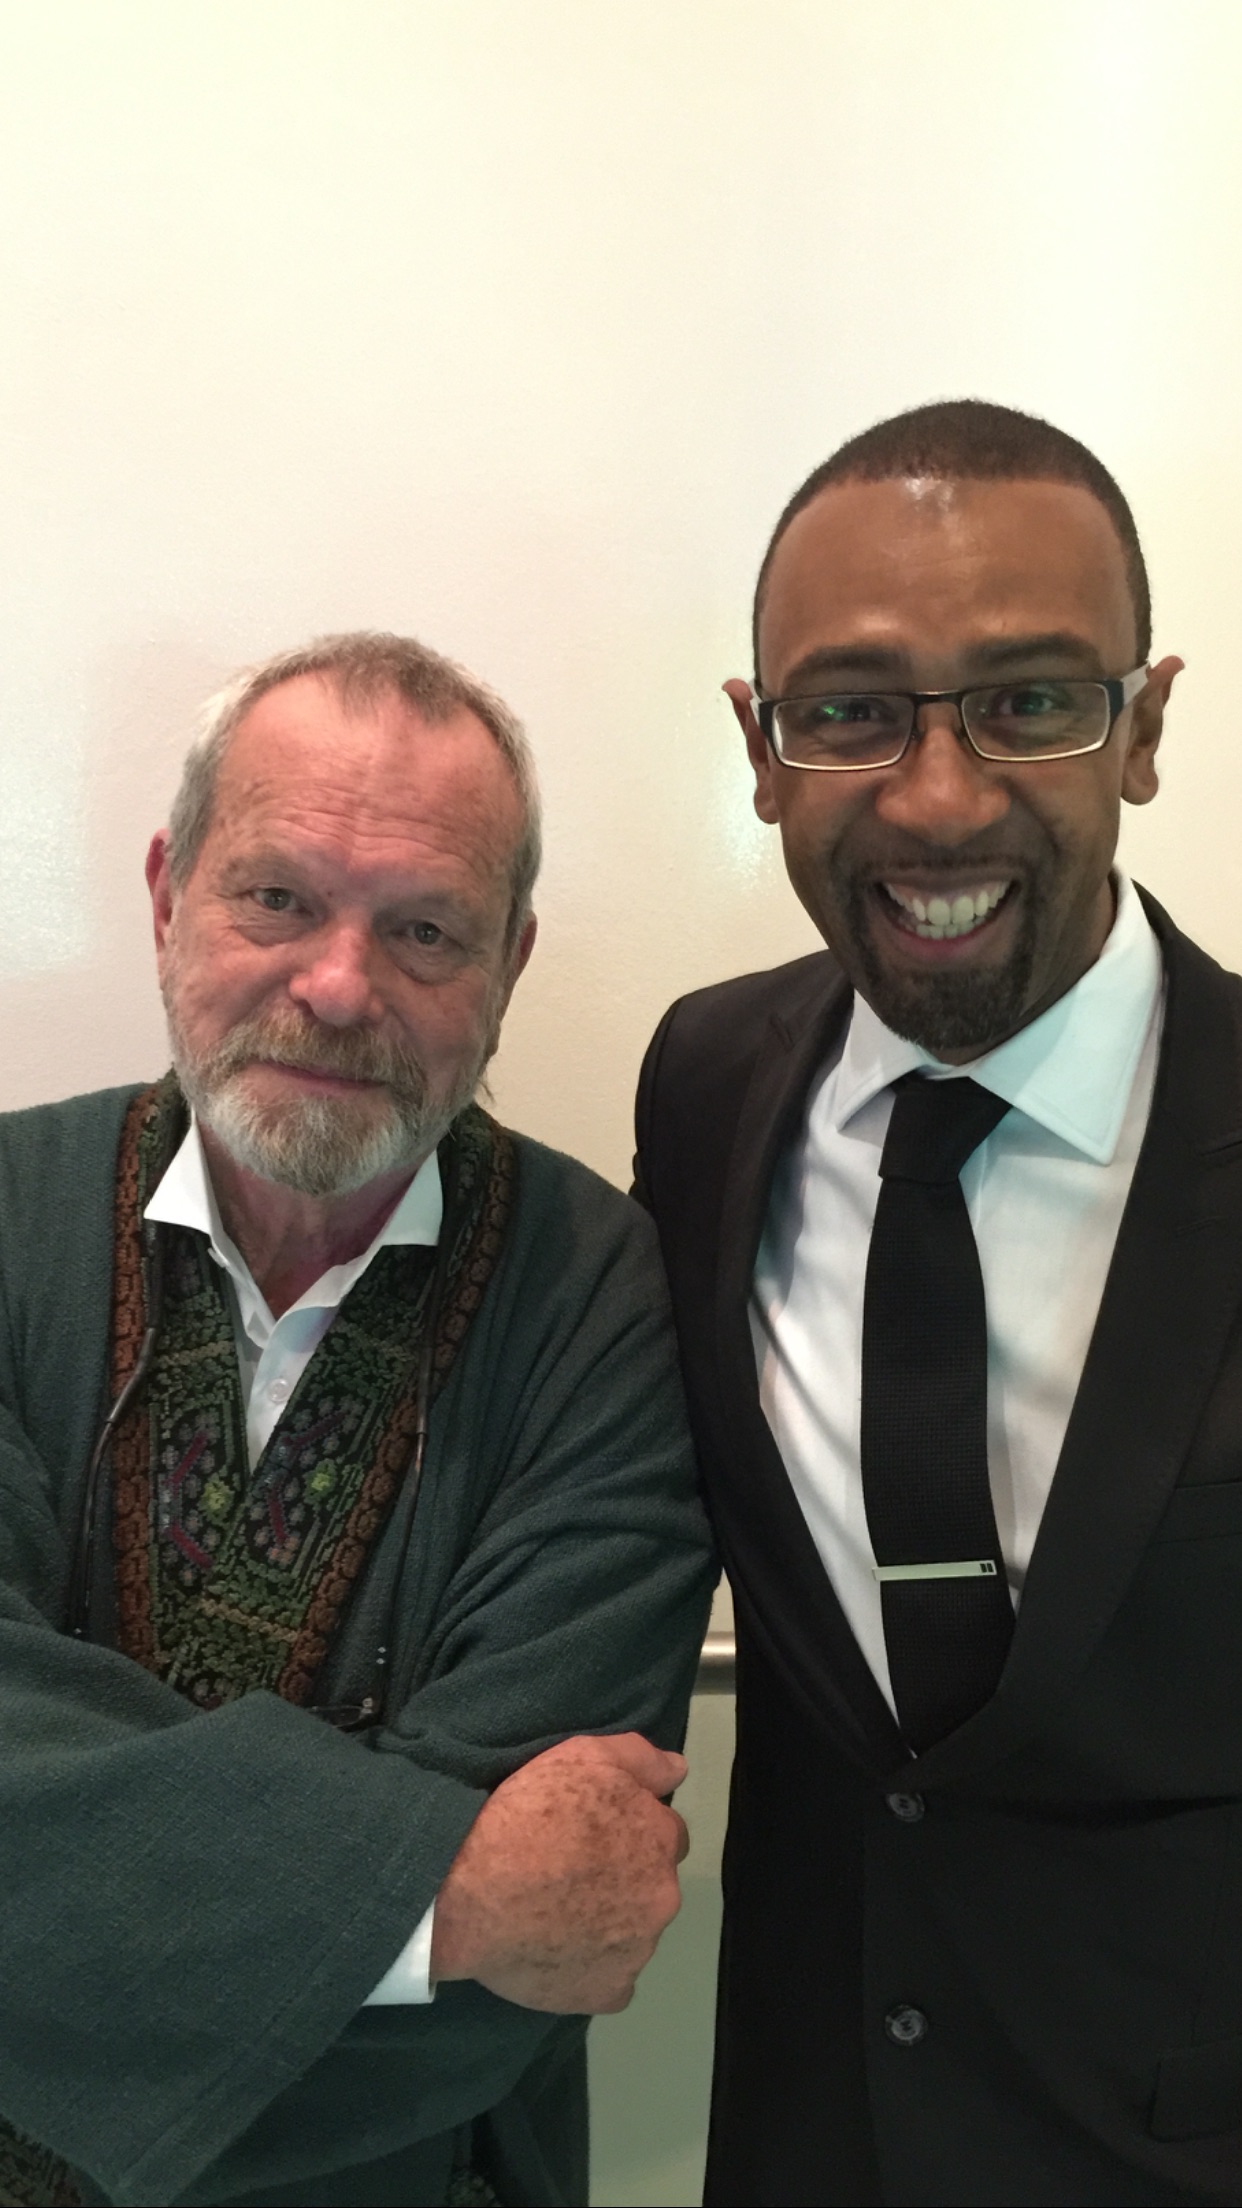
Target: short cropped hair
[
  {"x": 363, "y": 666},
  {"x": 973, "y": 439}
]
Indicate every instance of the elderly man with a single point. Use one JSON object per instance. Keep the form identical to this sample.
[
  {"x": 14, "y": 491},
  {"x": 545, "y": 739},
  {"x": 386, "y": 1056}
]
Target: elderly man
[
  {"x": 953, "y": 1219},
  {"x": 351, "y": 1569}
]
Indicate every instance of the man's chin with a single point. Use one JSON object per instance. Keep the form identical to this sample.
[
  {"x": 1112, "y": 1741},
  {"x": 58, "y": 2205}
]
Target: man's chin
[
  {"x": 321, "y": 1147},
  {"x": 960, "y": 1009},
  {"x": 949, "y": 1014},
  {"x": 953, "y": 998}
]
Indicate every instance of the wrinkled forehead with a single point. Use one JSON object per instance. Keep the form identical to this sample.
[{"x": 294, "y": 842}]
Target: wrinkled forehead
[
  {"x": 931, "y": 565},
  {"x": 373, "y": 777}
]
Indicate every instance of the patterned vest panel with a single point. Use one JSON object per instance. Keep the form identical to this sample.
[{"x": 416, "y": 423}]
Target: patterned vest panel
[{"x": 228, "y": 1579}]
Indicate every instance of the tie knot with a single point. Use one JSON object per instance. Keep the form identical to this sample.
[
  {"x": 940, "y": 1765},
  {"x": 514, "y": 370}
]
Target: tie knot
[{"x": 935, "y": 1126}]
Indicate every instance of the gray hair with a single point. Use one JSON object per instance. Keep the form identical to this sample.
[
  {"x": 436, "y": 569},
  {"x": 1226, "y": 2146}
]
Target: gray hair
[{"x": 364, "y": 666}]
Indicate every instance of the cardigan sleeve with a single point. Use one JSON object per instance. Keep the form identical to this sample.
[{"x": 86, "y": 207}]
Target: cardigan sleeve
[{"x": 197, "y": 1904}]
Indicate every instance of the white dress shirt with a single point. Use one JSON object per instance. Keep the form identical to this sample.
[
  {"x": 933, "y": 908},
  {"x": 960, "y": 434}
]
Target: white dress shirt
[
  {"x": 272, "y": 1355},
  {"x": 1045, "y": 1192}
]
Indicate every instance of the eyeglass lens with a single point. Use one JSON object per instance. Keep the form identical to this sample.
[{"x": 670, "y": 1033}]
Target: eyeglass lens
[{"x": 1027, "y": 720}]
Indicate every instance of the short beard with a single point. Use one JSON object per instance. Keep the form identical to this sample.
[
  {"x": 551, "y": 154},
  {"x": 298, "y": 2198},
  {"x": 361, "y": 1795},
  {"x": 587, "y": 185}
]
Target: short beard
[
  {"x": 320, "y": 1146},
  {"x": 951, "y": 1011}
]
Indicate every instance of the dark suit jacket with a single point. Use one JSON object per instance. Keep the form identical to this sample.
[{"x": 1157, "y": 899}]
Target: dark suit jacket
[{"x": 1067, "y": 1913}]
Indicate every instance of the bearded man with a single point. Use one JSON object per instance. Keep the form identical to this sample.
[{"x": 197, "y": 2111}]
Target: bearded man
[
  {"x": 352, "y": 1574},
  {"x": 953, "y": 1221}
]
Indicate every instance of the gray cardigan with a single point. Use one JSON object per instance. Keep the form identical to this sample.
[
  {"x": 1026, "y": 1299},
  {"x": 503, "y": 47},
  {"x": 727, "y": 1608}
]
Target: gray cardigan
[{"x": 196, "y": 1905}]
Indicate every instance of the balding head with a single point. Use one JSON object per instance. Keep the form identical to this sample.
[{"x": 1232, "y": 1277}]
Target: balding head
[
  {"x": 341, "y": 910},
  {"x": 362, "y": 666}
]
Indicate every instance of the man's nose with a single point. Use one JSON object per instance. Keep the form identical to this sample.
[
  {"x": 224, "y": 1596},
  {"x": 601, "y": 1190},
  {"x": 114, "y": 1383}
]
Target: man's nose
[
  {"x": 941, "y": 791},
  {"x": 336, "y": 983}
]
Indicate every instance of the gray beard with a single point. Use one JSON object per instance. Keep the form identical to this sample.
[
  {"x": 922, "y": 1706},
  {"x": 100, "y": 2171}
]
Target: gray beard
[
  {"x": 945, "y": 1012},
  {"x": 313, "y": 1147},
  {"x": 320, "y": 1146}
]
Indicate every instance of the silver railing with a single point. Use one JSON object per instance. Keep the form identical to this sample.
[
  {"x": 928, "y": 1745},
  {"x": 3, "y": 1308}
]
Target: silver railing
[{"x": 717, "y": 1665}]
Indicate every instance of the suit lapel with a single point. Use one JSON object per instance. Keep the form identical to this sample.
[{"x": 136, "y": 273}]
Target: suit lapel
[
  {"x": 1171, "y": 1300},
  {"x": 778, "y": 1578}
]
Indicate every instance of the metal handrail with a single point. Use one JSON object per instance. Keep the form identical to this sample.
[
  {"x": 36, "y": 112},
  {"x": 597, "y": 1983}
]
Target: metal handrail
[{"x": 717, "y": 1672}]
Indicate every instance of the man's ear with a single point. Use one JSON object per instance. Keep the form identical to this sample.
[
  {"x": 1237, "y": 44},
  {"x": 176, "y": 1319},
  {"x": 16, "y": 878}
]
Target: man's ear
[
  {"x": 518, "y": 962},
  {"x": 159, "y": 882},
  {"x": 525, "y": 945},
  {"x": 1139, "y": 778},
  {"x": 758, "y": 750}
]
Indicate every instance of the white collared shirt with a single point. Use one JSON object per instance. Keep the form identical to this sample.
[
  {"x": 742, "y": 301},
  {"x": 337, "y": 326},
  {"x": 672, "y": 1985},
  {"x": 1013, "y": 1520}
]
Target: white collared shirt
[
  {"x": 272, "y": 1355},
  {"x": 1045, "y": 1193}
]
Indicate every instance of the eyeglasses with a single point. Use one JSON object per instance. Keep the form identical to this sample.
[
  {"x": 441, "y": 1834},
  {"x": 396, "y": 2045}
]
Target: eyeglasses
[{"x": 848, "y": 731}]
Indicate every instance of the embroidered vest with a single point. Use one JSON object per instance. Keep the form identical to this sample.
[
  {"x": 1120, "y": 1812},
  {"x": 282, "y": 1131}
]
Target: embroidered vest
[{"x": 229, "y": 1580}]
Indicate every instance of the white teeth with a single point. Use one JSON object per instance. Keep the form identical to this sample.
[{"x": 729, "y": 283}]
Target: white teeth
[{"x": 940, "y": 918}]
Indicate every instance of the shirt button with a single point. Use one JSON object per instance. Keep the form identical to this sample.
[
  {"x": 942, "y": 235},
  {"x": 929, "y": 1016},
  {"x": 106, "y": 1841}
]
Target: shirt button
[
  {"x": 905, "y": 2026},
  {"x": 908, "y": 1807},
  {"x": 278, "y": 1391}
]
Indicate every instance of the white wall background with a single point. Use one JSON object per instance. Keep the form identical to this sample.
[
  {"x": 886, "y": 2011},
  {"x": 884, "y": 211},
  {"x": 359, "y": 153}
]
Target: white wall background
[{"x": 512, "y": 323}]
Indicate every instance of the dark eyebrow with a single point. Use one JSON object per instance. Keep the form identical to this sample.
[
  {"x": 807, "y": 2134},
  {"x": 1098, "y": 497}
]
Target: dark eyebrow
[
  {"x": 844, "y": 659},
  {"x": 996, "y": 655},
  {"x": 1020, "y": 651}
]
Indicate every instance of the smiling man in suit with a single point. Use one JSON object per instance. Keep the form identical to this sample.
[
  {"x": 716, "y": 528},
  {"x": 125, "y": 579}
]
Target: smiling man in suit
[{"x": 953, "y": 1219}]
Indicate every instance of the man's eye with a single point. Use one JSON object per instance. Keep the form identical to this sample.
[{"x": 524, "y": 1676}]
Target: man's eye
[
  {"x": 275, "y": 900},
  {"x": 847, "y": 712},
  {"x": 427, "y": 934},
  {"x": 1029, "y": 701}
]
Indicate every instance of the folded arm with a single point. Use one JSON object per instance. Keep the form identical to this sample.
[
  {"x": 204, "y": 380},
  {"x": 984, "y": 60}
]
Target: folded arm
[{"x": 199, "y": 1905}]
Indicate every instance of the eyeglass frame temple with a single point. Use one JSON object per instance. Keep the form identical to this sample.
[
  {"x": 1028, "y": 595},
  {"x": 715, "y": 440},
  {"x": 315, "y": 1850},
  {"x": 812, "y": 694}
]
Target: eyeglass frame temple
[{"x": 1121, "y": 691}]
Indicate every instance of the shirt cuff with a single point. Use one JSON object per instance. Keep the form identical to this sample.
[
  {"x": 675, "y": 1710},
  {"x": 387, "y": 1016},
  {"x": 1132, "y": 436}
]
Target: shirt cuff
[{"x": 409, "y": 1980}]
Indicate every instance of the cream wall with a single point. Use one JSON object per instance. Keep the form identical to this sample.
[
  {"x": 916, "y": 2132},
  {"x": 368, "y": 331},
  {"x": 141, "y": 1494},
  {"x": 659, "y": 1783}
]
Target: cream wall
[{"x": 512, "y": 323}]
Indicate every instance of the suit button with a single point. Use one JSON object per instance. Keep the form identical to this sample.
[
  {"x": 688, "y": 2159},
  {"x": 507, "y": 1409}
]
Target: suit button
[
  {"x": 908, "y": 1807},
  {"x": 905, "y": 2026}
]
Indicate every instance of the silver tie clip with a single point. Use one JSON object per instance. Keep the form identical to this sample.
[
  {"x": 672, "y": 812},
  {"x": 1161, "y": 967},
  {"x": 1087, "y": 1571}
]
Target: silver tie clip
[{"x": 982, "y": 1567}]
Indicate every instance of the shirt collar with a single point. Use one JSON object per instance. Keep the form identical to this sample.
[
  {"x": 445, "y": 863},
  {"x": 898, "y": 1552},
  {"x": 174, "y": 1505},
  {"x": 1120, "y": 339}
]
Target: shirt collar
[
  {"x": 1071, "y": 1069},
  {"x": 186, "y": 1198}
]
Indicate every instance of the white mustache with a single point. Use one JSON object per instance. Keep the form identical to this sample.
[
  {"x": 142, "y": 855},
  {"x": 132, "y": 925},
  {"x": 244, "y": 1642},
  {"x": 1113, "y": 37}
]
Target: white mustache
[{"x": 349, "y": 1052}]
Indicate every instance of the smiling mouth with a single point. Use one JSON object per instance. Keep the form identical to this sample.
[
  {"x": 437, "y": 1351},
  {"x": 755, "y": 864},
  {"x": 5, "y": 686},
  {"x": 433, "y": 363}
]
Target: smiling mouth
[
  {"x": 943, "y": 914},
  {"x": 322, "y": 1073}
]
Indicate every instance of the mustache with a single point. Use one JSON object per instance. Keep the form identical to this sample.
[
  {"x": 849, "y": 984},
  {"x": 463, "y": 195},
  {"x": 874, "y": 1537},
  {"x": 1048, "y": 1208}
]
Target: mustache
[
  {"x": 1023, "y": 850},
  {"x": 935, "y": 859},
  {"x": 355, "y": 1053}
]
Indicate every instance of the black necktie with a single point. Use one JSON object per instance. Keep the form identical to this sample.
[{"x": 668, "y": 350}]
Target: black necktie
[{"x": 948, "y": 1619}]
